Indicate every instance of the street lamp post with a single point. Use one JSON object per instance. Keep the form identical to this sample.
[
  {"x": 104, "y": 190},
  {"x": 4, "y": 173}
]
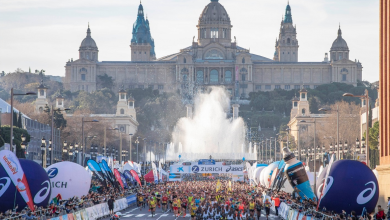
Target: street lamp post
[
  {"x": 50, "y": 151},
  {"x": 315, "y": 149},
  {"x": 367, "y": 99},
  {"x": 12, "y": 118},
  {"x": 52, "y": 129},
  {"x": 270, "y": 146},
  {"x": 275, "y": 147},
  {"x": 82, "y": 138},
  {"x": 43, "y": 148},
  {"x": 131, "y": 135},
  {"x": 137, "y": 142}
]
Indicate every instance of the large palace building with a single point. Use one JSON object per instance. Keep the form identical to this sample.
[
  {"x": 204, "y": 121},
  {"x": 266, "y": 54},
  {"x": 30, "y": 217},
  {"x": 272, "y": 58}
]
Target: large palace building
[{"x": 213, "y": 60}]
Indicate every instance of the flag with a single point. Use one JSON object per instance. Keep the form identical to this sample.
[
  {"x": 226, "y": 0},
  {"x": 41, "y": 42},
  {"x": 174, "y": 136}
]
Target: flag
[
  {"x": 12, "y": 166},
  {"x": 230, "y": 185},
  {"x": 118, "y": 178},
  {"x": 135, "y": 175},
  {"x": 155, "y": 175},
  {"x": 218, "y": 185}
]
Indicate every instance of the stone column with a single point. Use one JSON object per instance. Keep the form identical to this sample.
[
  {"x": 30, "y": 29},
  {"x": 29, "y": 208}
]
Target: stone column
[
  {"x": 235, "y": 110},
  {"x": 189, "y": 110}
]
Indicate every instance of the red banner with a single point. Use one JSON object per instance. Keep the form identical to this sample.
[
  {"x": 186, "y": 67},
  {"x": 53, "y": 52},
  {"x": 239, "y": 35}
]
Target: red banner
[
  {"x": 118, "y": 177},
  {"x": 12, "y": 166},
  {"x": 135, "y": 175}
]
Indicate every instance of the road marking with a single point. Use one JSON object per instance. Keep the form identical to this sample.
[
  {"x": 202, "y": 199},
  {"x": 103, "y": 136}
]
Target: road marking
[
  {"x": 165, "y": 214},
  {"x": 140, "y": 215},
  {"x": 128, "y": 215}
]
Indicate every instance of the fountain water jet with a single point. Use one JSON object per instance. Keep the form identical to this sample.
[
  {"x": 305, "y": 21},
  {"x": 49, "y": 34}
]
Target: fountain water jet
[{"x": 210, "y": 132}]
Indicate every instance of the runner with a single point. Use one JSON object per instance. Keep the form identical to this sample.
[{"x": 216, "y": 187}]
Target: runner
[{"x": 164, "y": 202}]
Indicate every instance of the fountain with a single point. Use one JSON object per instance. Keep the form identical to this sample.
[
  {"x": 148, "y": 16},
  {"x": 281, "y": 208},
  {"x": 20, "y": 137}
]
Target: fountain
[{"x": 208, "y": 131}]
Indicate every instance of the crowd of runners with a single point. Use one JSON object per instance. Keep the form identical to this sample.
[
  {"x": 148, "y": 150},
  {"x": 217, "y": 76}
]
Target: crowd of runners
[{"x": 207, "y": 200}]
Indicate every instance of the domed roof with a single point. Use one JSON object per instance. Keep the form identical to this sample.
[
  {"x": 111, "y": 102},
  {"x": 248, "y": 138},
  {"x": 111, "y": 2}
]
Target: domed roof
[
  {"x": 339, "y": 43},
  {"x": 88, "y": 42},
  {"x": 214, "y": 11}
]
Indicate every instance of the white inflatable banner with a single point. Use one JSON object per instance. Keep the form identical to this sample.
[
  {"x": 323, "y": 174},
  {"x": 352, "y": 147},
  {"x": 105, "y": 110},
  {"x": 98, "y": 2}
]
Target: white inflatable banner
[{"x": 68, "y": 179}]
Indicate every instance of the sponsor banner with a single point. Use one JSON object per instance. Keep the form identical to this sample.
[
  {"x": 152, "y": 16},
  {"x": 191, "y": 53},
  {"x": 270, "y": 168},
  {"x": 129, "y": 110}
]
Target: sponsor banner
[
  {"x": 68, "y": 179},
  {"x": 123, "y": 178},
  {"x": 135, "y": 175},
  {"x": 231, "y": 169},
  {"x": 155, "y": 175},
  {"x": 95, "y": 168},
  {"x": 118, "y": 178},
  {"x": 12, "y": 166},
  {"x": 160, "y": 171},
  {"x": 131, "y": 199}
]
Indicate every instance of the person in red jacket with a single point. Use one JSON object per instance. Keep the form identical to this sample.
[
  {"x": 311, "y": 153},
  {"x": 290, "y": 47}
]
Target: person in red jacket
[
  {"x": 277, "y": 204},
  {"x": 381, "y": 213}
]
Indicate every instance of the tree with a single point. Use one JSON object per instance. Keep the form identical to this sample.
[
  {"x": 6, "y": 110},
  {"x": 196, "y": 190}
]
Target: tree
[
  {"x": 369, "y": 116},
  {"x": 313, "y": 105},
  {"x": 59, "y": 120},
  {"x": 5, "y": 132},
  {"x": 15, "y": 119},
  {"x": 105, "y": 81}
]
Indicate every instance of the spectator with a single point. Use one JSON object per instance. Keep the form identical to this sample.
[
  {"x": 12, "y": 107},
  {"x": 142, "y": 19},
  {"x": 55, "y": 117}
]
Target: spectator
[
  {"x": 110, "y": 204},
  {"x": 381, "y": 213}
]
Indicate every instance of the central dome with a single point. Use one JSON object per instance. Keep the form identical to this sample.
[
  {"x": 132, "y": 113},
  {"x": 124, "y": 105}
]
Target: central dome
[{"x": 214, "y": 13}]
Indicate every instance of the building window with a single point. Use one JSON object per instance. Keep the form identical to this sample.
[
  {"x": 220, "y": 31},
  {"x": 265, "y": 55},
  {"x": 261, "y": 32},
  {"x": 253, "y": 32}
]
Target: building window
[
  {"x": 303, "y": 96},
  {"x": 141, "y": 86},
  {"x": 185, "y": 77},
  {"x": 287, "y": 87},
  {"x": 344, "y": 77},
  {"x": 303, "y": 112},
  {"x": 83, "y": 77},
  {"x": 268, "y": 87},
  {"x": 214, "y": 32},
  {"x": 243, "y": 77},
  {"x": 228, "y": 76},
  {"x": 214, "y": 76},
  {"x": 122, "y": 111},
  {"x": 40, "y": 110},
  {"x": 41, "y": 92},
  {"x": 297, "y": 87},
  {"x": 295, "y": 104},
  {"x": 306, "y": 86},
  {"x": 277, "y": 86},
  {"x": 243, "y": 60},
  {"x": 243, "y": 86},
  {"x": 258, "y": 87},
  {"x": 340, "y": 56},
  {"x": 122, "y": 96},
  {"x": 131, "y": 86},
  {"x": 184, "y": 60},
  {"x": 199, "y": 76},
  {"x": 224, "y": 33},
  {"x": 160, "y": 87},
  {"x": 151, "y": 87}
]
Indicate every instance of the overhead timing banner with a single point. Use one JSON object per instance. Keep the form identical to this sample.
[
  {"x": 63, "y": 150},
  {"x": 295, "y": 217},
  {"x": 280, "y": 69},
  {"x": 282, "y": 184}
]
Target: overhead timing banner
[
  {"x": 135, "y": 175},
  {"x": 118, "y": 177},
  {"x": 14, "y": 170},
  {"x": 95, "y": 168}
]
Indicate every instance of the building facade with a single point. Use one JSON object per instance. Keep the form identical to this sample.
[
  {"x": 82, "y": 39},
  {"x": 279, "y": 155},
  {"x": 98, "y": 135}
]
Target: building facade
[{"x": 214, "y": 59}]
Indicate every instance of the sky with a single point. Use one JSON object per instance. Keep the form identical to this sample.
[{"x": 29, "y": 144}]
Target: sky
[{"x": 45, "y": 34}]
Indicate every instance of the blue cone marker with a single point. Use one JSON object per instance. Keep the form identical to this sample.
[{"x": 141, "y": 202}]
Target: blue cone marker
[{"x": 297, "y": 176}]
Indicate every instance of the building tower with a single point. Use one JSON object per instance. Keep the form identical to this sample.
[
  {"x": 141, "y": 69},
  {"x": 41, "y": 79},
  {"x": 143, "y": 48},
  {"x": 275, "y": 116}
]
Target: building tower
[
  {"x": 41, "y": 101},
  {"x": 339, "y": 49},
  {"x": 60, "y": 102},
  {"x": 125, "y": 107},
  {"x": 88, "y": 49},
  {"x": 287, "y": 44},
  {"x": 142, "y": 43},
  {"x": 303, "y": 104},
  {"x": 214, "y": 25}
]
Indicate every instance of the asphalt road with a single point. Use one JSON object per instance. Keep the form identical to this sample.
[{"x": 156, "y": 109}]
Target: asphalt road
[{"x": 135, "y": 213}]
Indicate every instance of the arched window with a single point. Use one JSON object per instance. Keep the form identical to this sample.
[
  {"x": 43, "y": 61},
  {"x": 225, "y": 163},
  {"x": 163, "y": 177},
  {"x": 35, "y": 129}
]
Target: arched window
[
  {"x": 184, "y": 60},
  {"x": 243, "y": 60},
  {"x": 199, "y": 76},
  {"x": 184, "y": 73},
  {"x": 303, "y": 111},
  {"x": 214, "y": 76},
  {"x": 122, "y": 111},
  {"x": 228, "y": 76},
  {"x": 185, "y": 77},
  {"x": 40, "y": 109},
  {"x": 288, "y": 40}
]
